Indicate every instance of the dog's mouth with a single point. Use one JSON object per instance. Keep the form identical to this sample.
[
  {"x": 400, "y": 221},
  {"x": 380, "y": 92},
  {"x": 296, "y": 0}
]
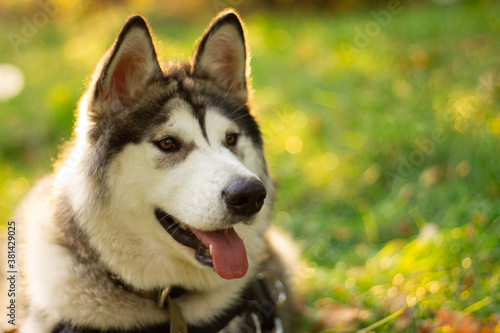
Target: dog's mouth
[{"x": 221, "y": 249}]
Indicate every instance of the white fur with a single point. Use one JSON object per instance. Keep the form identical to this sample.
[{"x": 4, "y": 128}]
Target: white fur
[
  {"x": 130, "y": 240},
  {"x": 118, "y": 216}
]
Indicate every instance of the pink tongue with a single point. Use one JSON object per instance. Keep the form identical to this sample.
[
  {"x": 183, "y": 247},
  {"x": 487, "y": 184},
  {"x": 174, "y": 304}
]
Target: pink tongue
[{"x": 229, "y": 254}]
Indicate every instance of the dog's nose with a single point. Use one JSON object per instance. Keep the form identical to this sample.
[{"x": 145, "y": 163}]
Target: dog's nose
[{"x": 244, "y": 196}]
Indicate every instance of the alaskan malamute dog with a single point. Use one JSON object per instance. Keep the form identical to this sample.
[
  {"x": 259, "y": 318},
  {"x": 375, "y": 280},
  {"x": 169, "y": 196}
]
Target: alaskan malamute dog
[{"x": 156, "y": 219}]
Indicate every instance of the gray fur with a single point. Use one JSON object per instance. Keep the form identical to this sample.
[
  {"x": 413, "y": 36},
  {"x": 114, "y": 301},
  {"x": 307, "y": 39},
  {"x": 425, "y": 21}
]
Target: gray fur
[{"x": 73, "y": 240}]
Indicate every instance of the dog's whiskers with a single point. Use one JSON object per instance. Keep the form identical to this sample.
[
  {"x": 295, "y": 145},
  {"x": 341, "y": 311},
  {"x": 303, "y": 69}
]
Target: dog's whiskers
[
  {"x": 229, "y": 90},
  {"x": 238, "y": 109},
  {"x": 243, "y": 116}
]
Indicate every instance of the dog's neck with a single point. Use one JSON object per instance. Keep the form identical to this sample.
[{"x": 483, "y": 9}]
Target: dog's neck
[
  {"x": 154, "y": 294},
  {"x": 72, "y": 236}
]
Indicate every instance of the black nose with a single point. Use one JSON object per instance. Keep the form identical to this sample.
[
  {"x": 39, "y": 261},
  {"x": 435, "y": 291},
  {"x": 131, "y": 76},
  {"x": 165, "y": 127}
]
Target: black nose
[{"x": 244, "y": 196}]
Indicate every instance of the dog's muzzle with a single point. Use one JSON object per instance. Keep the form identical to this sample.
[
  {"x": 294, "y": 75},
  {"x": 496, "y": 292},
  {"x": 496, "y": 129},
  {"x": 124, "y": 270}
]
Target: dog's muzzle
[
  {"x": 243, "y": 196},
  {"x": 221, "y": 248}
]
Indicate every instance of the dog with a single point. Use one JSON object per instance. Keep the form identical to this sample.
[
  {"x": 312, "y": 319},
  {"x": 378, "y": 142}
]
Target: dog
[{"x": 156, "y": 218}]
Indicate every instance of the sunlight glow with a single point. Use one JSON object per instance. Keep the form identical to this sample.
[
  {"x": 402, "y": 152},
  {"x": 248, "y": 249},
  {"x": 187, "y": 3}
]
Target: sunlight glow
[
  {"x": 466, "y": 263},
  {"x": 293, "y": 144},
  {"x": 11, "y": 81}
]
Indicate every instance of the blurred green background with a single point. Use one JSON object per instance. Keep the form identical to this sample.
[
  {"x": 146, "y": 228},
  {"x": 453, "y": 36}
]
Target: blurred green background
[{"x": 382, "y": 128}]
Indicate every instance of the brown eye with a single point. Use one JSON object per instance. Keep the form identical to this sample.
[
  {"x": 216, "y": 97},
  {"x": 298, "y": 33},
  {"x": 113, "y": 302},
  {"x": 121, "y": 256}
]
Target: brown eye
[
  {"x": 232, "y": 139},
  {"x": 167, "y": 144}
]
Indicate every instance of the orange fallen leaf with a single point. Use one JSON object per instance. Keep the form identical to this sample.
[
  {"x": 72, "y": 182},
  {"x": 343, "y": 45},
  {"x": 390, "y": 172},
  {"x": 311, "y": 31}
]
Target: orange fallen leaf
[{"x": 339, "y": 317}]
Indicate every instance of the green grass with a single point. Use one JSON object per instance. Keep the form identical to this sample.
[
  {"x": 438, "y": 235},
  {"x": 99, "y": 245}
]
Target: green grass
[{"x": 386, "y": 159}]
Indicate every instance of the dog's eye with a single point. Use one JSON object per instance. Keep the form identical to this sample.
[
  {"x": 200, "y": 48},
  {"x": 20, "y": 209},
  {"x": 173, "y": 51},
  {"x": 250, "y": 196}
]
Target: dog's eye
[
  {"x": 232, "y": 139},
  {"x": 168, "y": 144}
]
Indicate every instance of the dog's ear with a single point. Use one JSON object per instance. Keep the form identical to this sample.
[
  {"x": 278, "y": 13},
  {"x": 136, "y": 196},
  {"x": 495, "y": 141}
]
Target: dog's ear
[
  {"x": 128, "y": 65},
  {"x": 222, "y": 54}
]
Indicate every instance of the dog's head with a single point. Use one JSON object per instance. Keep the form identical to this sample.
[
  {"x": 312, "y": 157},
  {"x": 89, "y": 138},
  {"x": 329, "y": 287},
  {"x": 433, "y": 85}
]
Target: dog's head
[{"x": 170, "y": 160}]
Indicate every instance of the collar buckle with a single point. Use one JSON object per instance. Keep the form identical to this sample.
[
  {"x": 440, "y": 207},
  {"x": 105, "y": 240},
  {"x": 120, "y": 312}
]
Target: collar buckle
[{"x": 162, "y": 297}]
